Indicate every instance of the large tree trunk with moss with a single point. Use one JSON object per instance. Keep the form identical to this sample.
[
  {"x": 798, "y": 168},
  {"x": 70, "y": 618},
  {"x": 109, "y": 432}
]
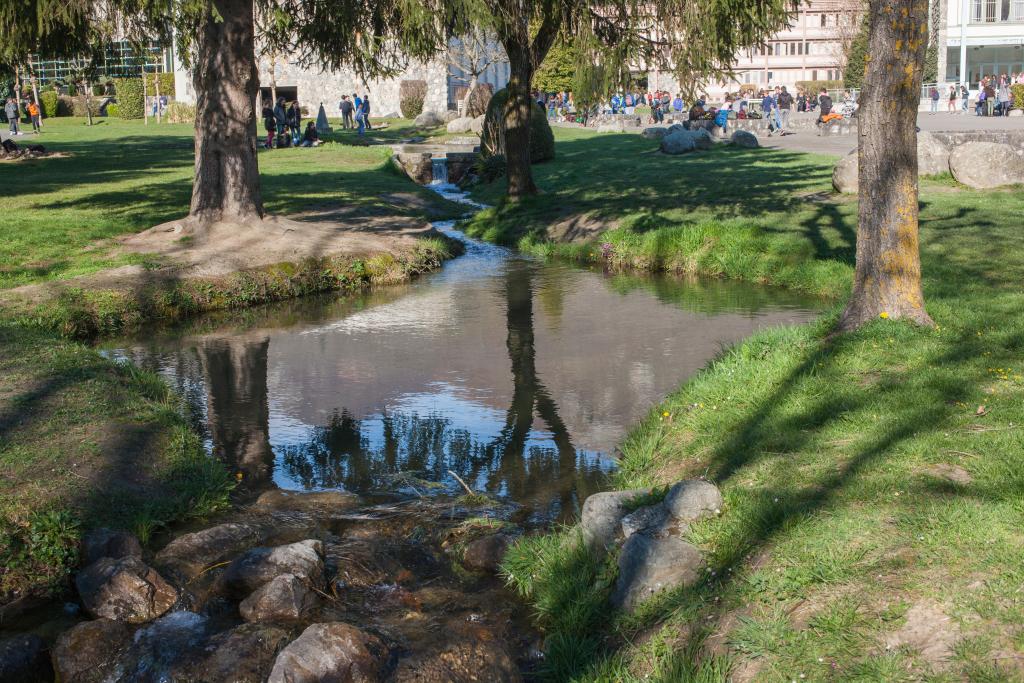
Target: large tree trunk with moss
[
  {"x": 227, "y": 181},
  {"x": 887, "y": 282},
  {"x": 517, "y": 123}
]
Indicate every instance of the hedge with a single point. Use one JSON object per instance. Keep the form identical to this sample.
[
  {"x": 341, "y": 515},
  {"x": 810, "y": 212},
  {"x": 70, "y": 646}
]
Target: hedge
[
  {"x": 411, "y": 96},
  {"x": 816, "y": 86},
  {"x": 179, "y": 112},
  {"x": 166, "y": 84},
  {"x": 492, "y": 139},
  {"x": 130, "y": 101},
  {"x": 1017, "y": 92},
  {"x": 113, "y": 111},
  {"x": 49, "y": 102}
]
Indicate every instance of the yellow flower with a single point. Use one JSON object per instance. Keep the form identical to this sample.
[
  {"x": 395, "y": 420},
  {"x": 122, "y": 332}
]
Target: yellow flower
[
  {"x": 665, "y": 414},
  {"x": 883, "y": 315}
]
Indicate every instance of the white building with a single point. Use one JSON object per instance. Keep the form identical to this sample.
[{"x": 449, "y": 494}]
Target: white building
[{"x": 982, "y": 38}]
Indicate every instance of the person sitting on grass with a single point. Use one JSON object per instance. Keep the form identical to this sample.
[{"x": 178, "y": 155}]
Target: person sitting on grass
[{"x": 310, "y": 138}]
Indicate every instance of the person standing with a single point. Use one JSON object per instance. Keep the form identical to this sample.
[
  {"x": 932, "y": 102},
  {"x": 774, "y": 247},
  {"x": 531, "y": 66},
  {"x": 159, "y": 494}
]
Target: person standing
[
  {"x": 366, "y": 111},
  {"x": 965, "y": 96},
  {"x": 33, "y": 113},
  {"x": 280, "y": 117},
  {"x": 785, "y": 103},
  {"x": 294, "y": 120},
  {"x": 951, "y": 105},
  {"x": 270, "y": 125},
  {"x": 11, "y": 110},
  {"x": 1003, "y": 97},
  {"x": 346, "y": 112}
]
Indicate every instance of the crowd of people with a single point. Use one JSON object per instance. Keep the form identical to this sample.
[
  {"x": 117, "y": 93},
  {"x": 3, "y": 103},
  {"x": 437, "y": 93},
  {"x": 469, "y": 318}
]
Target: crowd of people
[{"x": 283, "y": 123}]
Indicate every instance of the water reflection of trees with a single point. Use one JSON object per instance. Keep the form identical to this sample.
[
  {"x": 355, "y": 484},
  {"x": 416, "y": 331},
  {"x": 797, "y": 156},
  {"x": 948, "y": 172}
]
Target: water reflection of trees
[{"x": 358, "y": 455}]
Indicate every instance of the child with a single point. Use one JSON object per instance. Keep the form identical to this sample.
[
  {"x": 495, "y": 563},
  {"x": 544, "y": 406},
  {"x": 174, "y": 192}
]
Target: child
[
  {"x": 33, "y": 112},
  {"x": 310, "y": 138},
  {"x": 270, "y": 124}
]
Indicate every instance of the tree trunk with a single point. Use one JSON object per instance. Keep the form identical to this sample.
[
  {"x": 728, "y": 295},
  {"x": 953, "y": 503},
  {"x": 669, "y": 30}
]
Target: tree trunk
[
  {"x": 517, "y": 122},
  {"x": 474, "y": 79},
  {"x": 227, "y": 180},
  {"x": 887, "y": 282}
]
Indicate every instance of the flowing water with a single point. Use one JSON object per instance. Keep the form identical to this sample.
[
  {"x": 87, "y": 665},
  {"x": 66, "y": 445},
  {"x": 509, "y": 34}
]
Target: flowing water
[{"x": 516, "y": 375}]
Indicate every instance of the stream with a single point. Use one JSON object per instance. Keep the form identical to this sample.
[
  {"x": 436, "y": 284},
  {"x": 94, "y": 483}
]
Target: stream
[{"x": 511, "y": 376}]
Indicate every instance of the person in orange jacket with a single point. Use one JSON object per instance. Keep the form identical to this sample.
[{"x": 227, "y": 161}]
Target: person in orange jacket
[{"x": 33, "y": 112}]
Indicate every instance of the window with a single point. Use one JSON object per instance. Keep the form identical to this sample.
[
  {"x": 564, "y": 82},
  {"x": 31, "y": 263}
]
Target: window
[
  {"x": 990, "y": 10},
  {"x": 814, "y": 75},
  {"x": 1017, "y": 11},
  {"x": 823, "y": 20},
  {"x": 976, "y": 10}
]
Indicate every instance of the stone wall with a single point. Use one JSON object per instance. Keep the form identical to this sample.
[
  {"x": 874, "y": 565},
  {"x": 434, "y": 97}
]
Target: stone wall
[
  {"x": 327, "y": 87},
  {"x": 1013, "y": 138}
]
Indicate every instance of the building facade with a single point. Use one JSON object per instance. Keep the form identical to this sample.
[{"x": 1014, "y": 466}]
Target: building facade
[{"x": 983, "y": 38}]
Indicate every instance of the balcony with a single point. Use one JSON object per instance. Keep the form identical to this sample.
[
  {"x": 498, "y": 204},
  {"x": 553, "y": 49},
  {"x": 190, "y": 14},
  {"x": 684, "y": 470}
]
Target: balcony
[{"x": 987, "y": 12}]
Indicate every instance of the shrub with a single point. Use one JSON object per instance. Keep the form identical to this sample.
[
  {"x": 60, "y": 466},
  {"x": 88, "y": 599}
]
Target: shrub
[
  {"x": 479, "y": 97},
  {"x": 816, "y": 86},
  {"x": 65, "y": 105},
  {"x": 166, "y": 81},
  {"x": 179, "y": 112},
  {"x": 492, "y": 139},
  {"x": 1017, "y": 92},
  {"x": 411, "y": 96},
  {"x": 80, "y": 106},
  {"x": 49, "y": 101},
  {"x": 130, "y": 102},
  {"x": 113, "y": 111}
]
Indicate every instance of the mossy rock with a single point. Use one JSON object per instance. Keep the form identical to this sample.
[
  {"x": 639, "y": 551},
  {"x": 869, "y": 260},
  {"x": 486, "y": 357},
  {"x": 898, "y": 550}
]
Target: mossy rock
[{"x": 492, "y": 139}]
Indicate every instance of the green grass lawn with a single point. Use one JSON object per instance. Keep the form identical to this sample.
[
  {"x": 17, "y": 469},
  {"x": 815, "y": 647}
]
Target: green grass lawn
[
  {"x": 119, "y": 177},
  {"x": 874, "y": 482}
]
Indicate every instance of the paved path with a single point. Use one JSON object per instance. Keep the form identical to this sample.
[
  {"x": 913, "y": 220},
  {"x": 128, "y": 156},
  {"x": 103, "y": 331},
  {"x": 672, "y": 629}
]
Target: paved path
[{"x": 809, "y": 141}]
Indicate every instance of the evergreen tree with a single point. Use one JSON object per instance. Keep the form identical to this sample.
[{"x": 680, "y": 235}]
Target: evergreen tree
[
  {"x": 557, "y": 71},
  {"x": 853, "y": 77}
]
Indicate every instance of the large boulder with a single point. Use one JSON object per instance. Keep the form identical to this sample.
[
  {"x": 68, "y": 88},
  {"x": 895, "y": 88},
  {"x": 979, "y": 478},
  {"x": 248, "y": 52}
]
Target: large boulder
[
  {"x": 100, "y": 543},
  {"x": 190, "y": 554},
  {"x": 164, "y": 649},
  {"x": 419, "y": 166},
  {"x": 602, "y": 515},
  {"x": 678, "y": 142},
  {"x": 692, "y": 499},
  {"x": 844, "y": 175},
  {"x": 284, "y": 598},
  {"x": 124, "y": 589},
  {"x": 245, "y": 654},
  {"x": 460, "y": 125},
  {"x": 492, "y": 135},
  {"x": 650, "y": 519},
  {"x": 984, "y": 165},
  {"x": 334, "y": 652},
  {"x": 648, "y": 565},
  {"x": 429, "y": 119},
  {"x": 655, "y": 132},
  {"x": 745, "y": 139},
  {"x": 258, "y": 566},
  {"x": 23, "y": 659},
  {"x": 449, "y": 115},
  {"x": 932, "y": 155},
  {"x": 90, "y": 651}
]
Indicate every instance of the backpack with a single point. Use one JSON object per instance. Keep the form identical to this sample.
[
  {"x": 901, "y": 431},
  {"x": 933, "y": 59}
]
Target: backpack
[{"x": 722, "y": 117}]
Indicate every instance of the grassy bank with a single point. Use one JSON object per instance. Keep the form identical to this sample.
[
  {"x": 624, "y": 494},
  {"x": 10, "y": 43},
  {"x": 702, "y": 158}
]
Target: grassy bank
[
  {"x": 873, "y": 482},
  {"x": 85, "y": 442}
]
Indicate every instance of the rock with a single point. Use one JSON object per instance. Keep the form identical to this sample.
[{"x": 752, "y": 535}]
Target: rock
[
  {"x": 844, "y": 175},
  {"x": 745, "y": 139},
  {"x": 470, "y": 654},
  {"x": 164, "y": 649},
  {"x": 429, "y": 119},
  {"x": 984, "y": 165},
  {"x": 602, "y": 516},
  {"x": 691, "y": 499},
  {"x": 703, "y": 138},
  {"x": 648, "y": 565},
  {"x": 675, "y": 128},
  {"x": 124, "y": 589},
  {"x": 612, "y": 127},
  {"x": 476, "y": 125},
  {"x": 245, "y": 654},
  {"x": 486, "y": 554},
  {"x": 90, "y": 651},
  {"x": 23, "y": 659},
  {"x": 449, "y": 115},
  {"x": 100, "y": 543},
  {"x": 312, "y": 501},
  {"x": 677, "y": 143},
  {"x": 260, "y": 565},
  {"x": 646, "y": 519},
  {"x": 190, "y": 554},
  {"x": 334, "y": 652},
  {"x": 420, "y": 168},
  {"x": 1016, "y": 112},
  {"x": 655, "y": 132},
  {"x": 460, "y": 125},
  {"x": 932, "y": 155},
  {"x": 284, "y": 598}
]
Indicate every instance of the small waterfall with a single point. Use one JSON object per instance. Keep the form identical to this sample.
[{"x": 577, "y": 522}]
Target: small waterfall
[{"x": 440, "y": 170}]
